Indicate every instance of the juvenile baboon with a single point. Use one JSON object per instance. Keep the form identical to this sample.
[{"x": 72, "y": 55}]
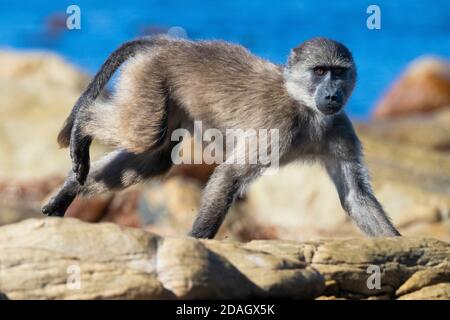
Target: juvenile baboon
[{"x": 167, "y": 84}]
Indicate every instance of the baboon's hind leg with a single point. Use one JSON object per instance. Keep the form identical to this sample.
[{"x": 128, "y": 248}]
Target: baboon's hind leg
[{"x": 117, "y": 170}]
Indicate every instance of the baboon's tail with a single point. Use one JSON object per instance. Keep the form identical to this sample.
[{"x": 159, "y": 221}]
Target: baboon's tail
[{"x": 119, "y": 56}]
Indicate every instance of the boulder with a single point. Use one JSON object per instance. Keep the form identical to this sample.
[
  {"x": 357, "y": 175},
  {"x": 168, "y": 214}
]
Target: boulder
[
  {"x": 38, "y": 91},
  {"x": 23, "y": 199},
  {"x": 422, "y": 88},
  {"x": 425, "y": 278},
  {"x": 439, "y": 291},
  {"x": 57, "y": 258},
  {"x": 429, "y": 131}
]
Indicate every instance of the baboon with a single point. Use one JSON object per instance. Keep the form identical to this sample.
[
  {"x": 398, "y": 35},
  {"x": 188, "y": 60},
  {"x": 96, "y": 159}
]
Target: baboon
[{"x": 166, "y": 84}]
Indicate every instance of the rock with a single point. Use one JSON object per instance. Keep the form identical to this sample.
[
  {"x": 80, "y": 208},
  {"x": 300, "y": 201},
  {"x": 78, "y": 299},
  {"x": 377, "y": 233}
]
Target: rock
[
  {"x": 34, "y": 68},
  {"x": 38, "y": 90},
  {"x": 121, "y": 207},
  {"x": 439, "y": 291},
  {"x": 425, "y": 278},
  {"x": 69, "y": 259},
  {"x": 21, "y": 200},
  {"x": 117, "y": 262},
  {"x": 438, "y": 230},
  {"x": 424, "y": 87},
  {"x": 412, "y": 182},
  {"x": 430, "y": 131},
  {"x": 346, "y": 262},
  {"x": 110, "y": 267}
]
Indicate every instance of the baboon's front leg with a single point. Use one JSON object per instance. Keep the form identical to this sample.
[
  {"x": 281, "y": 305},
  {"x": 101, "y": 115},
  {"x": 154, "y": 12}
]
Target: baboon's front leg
[
  {"x": 357, "y": 198},
  {"x": 117, "y": 170},
  {"x": 220, "y": 192}
]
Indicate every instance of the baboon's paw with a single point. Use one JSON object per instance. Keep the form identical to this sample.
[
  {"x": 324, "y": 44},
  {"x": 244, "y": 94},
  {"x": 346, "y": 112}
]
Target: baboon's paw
[{"x": 51, "y": 209}]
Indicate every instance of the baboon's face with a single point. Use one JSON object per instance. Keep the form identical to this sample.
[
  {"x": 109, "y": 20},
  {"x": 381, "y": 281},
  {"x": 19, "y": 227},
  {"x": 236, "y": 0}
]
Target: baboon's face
[{"x": 321, "y": 74}]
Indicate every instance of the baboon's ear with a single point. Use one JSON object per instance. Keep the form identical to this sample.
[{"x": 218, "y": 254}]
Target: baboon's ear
[
  {"x": 294, "y": 56},
  {"x": 297, "y": 50}
]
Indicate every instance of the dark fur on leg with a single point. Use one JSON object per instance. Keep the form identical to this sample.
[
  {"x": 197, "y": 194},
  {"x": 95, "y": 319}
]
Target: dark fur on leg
[
  {"x": 57, "y": 205},
  {"x": 220, "y": 192},
  {"x": 116, "y": 171},
  {"x": 79, "y": 151}
]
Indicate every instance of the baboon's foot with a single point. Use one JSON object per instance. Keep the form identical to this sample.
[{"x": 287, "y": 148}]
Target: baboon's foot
[{"x": 58, "y": 205}]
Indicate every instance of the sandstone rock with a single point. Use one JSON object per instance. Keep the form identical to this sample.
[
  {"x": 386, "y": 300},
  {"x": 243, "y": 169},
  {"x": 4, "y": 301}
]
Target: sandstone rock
[
  {"x": 425, "y": 278},
  {"x": 69, "y": 259},
  {"x": 412, "y": 183},
  {"x": 346, "y": 262},
  {"x": 429, "y": 131},
  {"x": 438, "y": 230},
  {"x": 424, "y": 87},
  {"x": 121, "y": 207},
  {"x": 37, "y": 92},
  {"x": 439, "y": 291},
  {"x": 34, "y": 68},
  {"x": 20, "y": 200},
  {"x": 38, "y": 256}
]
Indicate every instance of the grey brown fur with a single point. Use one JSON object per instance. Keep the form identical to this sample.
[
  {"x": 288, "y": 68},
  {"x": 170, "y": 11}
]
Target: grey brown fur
[{"x": 167, "y": 84}]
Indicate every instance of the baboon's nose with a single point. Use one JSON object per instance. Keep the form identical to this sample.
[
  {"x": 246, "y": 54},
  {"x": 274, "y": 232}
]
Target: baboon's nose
[{"x": 335, "y": 97}]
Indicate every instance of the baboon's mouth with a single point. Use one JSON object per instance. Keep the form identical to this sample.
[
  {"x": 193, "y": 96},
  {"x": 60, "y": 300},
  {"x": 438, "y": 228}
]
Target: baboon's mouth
[{"x": 329, "y": 110}]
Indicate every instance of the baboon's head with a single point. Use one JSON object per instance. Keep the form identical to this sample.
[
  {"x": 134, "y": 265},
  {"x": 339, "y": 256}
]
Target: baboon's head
[{"x": 321, "y": 74}]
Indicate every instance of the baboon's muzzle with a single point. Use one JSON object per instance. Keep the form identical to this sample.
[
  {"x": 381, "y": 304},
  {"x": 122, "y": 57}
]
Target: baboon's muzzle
[{"x": 329, "y": 98}]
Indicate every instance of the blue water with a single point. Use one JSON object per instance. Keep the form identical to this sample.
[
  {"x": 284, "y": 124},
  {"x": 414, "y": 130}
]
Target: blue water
[{"x": 409, "y": 29}]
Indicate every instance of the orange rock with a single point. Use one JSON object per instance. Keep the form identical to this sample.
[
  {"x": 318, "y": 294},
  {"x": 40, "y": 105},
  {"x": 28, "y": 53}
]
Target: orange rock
[
  {"x": 121, "y": 208},
  {"x": 424, "y": 87},
  {"x": 88, "y": 209}
]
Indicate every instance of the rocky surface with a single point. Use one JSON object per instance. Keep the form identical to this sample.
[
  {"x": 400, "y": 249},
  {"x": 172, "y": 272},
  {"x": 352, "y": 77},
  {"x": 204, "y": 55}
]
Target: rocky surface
[
  {"x": 69, "y": 259},
  {"x": 423, "y": 87},
  {"x": 408, "y": 158}
]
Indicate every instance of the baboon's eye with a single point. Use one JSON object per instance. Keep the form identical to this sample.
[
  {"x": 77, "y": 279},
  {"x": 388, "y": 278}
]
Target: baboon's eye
[
  {"x": 339, "y": 71},
  {"x": 319, "y": 71}
]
